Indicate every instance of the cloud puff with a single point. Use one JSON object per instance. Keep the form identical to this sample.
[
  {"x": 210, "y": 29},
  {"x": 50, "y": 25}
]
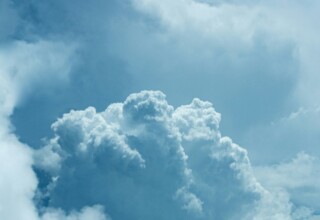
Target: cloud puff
[{"x": 143, "y": 159}]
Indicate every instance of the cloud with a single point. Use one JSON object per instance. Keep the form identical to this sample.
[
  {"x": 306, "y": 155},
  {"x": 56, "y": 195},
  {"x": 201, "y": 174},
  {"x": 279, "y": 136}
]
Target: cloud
[
  {"x": 96, "y": 76},
  {"x": 252, "y": 58},
  {"x": 187, "y": 44},
  {"x": 28, "y": 65},
  {"x": 265, "y": 53},
  {"x": 18, "y": 181},
  {"x": 297, "y": 176},
  {"x": 269, "y": 50},
  {"x": 144, "y": 159},
  {"x": 225, "y": 20},
  {"x": 87, "y": 213},
  {"x": 25, "y": 68},
  {"x": 133, "y": 41}
]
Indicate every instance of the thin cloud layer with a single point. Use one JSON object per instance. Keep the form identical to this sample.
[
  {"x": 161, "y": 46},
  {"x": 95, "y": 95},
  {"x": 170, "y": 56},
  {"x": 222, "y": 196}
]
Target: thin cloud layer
[{"x": 144, "y": 159}]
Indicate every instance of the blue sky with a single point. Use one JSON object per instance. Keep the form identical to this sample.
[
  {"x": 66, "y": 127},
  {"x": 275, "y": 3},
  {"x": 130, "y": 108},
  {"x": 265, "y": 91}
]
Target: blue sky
[{"x": 250, "y": 150}]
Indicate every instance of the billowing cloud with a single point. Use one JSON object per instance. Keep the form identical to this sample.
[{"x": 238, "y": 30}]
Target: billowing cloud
[{"x": 144, "y": 159}]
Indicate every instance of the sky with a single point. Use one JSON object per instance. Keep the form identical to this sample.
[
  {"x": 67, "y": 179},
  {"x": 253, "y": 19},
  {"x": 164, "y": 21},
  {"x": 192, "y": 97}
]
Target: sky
[{"x": 172, "y": 109}]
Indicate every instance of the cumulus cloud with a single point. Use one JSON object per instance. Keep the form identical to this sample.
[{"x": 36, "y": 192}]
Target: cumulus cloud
[{"x": 143, "y": 159}]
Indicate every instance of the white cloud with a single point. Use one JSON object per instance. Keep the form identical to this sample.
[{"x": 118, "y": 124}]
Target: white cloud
[
  {"x": 143, "y": 145},
  {"x": 18, "y": 181},
  {"x": 86, "y": 213},
  {"x": 198, "y": 120},
  {"x": 26, "y": 67},
  {"x": 143, "y": 159},
  {"x": 299, "y": 177},
  {"x": 48, "y": 158}
]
